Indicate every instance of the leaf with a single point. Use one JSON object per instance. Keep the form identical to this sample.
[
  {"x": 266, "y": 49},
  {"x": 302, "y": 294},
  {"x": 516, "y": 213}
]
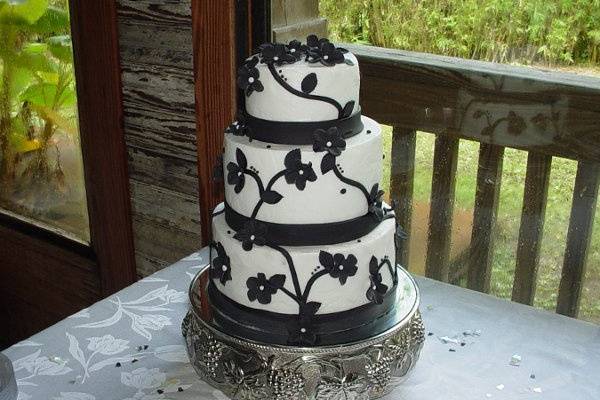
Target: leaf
[
  {"x": 140, "y": 330},
  {"x": 152, "y": 295},
  {"x": 35, "y": 60},
  {"x": 309, "y": 83},
  {"x": 373, "y": 266},
  {"x": 24, "y": 12},
  {"x": 347, "y": 111},
  {"x": 291, "y": 158},
  {"x": 57, "y": 119},
  {"x": 172, "y": 353},
  {"x": 60, "y": 47},
  {"x": 271, "y": 197},
  {"x": 41, "y": 94},
  {"x": 326, "y": 259},
  {"x": 327, "y": 163},
  {"x": 54, "y": 20},
  {"x": 75, "y": 350},
  {"x": 241, "y": 159},
  {"x": 148, "y": 308},
  {"x": 104, "y": 323},
  {"x": 110, "y": 361},
  {"x": 277, "y": 281}
]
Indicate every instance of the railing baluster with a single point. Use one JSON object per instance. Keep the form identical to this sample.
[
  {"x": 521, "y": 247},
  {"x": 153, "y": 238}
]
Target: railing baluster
[
  {"x": 441, "y": 207},
  {"x": 489, "y": 178},
  {"x": 585, "y": 196},
  {"x": 532, "y": 226},
  {"x": 401, "y": 185}
]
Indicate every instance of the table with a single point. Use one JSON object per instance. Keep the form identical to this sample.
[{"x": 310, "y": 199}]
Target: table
[{"x": 129, "y": 346}]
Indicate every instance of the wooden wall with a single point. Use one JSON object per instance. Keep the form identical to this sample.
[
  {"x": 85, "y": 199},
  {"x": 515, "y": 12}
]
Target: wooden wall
[{"x": 160, "y": 129}]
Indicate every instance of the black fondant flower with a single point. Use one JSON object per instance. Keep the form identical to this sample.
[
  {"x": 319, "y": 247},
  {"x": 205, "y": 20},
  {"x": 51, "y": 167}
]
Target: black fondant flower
[
  {"x": 329, "y": 140},
  {"x": 221, "y": 267},
  {"x": 253, "y": 233},
  {"x": 314, "y": 42},
  {"x": 376, "y": 203},
  {"x": 238, "y": 127},
  {"x": 297, "y": 172},
  {"x": 275, "y": 53},
  {"x": 248, "y": 75},
  {"x": 236, "y": 172},
  {"x": 377, "y": 289},
  {"x": 338, "y": 266},
  {"x": 297, "y": 49},
  {"x": 260, "y": 288},
  {"x": 301, "y": 330},
  {"x": 322, "y": 50},
  {"x": 331, "y": 55}
]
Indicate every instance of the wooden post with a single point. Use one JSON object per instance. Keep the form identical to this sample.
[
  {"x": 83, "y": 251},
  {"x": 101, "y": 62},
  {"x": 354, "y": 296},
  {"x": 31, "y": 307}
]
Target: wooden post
[
  {"x": 532, "y": 226},
  {"x": 296, "y": 19},
  {"x": 489, "y": 178},
  {"x": 401, "y": 185},
  {"x": 583, "y": 209},
  {"x": 441, "y": 208},
  {"x": 214, "y": 61}
]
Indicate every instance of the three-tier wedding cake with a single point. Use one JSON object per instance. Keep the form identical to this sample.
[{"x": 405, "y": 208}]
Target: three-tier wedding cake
[{"x": 303, "y": 248}]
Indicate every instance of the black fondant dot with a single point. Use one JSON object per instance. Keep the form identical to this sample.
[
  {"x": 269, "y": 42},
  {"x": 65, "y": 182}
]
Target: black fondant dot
[
  {"x": 368, "y": 131},
  {"x": 280, "y": 71},
  {"x": 383, "y": 157},
  {"x": 268, "y": 146},
  {"x": 229, "y": 232},
  {"x": 343, "y": 191},
  {"x": 359, "y": 240}
]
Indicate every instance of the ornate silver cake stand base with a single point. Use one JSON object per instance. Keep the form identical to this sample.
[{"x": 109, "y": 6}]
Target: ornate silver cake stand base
[{"x": 249, "y": 370}]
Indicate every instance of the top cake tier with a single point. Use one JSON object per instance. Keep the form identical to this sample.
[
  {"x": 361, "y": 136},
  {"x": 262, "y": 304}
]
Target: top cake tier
[{"x": 311, "y": 82}]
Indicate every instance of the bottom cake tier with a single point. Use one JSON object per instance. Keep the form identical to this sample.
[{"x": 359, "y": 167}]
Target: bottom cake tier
[{"x": 309, "y": 295}]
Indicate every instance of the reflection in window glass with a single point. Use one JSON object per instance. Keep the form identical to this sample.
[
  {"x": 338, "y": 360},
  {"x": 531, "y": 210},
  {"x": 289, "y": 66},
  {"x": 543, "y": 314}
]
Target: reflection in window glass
[{"x": 41, "y": 172}]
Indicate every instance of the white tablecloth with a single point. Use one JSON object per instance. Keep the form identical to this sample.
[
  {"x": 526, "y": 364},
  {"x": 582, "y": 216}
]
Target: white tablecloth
[{"x": 129, "y": 346}]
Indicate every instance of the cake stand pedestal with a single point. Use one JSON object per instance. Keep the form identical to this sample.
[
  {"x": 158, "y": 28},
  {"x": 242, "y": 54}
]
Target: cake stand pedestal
[{"x": 247, "y": 370}]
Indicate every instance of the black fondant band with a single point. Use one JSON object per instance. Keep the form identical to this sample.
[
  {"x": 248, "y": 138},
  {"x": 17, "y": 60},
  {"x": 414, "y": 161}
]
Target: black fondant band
[
  {"x": 307, "y": 234},
  {"x": 266, "y": 326},
  {"x": 299, "y": 133}
]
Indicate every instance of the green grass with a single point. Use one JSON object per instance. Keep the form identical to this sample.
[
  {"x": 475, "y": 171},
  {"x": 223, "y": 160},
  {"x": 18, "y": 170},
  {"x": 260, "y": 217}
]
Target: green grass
[
  {"x": 554, "y": 32},
  {"x": 507, "y": 229}
]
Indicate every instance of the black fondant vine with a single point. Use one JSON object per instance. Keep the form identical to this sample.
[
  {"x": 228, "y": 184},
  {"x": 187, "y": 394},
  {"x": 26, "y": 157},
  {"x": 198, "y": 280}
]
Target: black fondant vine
[
  {"x": 333, "y": 144},
  {"x": 295, "y": 172},
  {"x": 302, "y": 94},
  {"x": 277, "y": 54}
]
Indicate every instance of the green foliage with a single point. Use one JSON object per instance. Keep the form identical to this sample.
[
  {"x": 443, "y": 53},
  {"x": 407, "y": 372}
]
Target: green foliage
[
  {"x": 37, "y": 93},
  {"x": 524, "y": 31}
]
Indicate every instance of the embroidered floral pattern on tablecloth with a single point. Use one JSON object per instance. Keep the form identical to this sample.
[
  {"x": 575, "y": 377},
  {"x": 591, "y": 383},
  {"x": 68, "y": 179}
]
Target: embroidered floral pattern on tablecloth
[{"x": 127, "y": 347}]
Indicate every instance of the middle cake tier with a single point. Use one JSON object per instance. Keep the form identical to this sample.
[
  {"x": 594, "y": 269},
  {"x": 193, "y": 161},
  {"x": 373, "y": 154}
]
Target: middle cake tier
[{"x": 333, "y": 181}]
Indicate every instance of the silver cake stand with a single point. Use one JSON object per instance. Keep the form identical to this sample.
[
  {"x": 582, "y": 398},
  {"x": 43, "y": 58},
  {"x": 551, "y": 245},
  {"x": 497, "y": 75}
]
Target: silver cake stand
[{"x": 247, "y": 370}]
